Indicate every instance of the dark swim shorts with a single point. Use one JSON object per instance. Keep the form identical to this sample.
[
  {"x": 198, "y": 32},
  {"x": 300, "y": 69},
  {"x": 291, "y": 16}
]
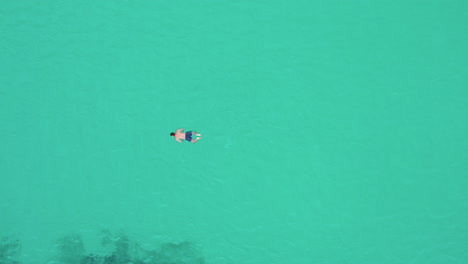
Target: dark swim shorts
[{"x": 188, "y": 135}]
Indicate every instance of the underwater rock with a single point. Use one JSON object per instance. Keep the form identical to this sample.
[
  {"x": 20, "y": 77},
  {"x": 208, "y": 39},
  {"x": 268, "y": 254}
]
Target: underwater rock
[
  {"x": 9, "y": 249},
  {"x": 92, "y": 259},
  {"x": 70, "y": 249},
  {"x": 122, "y": 245},
  {"x": 126, "y": 251}
]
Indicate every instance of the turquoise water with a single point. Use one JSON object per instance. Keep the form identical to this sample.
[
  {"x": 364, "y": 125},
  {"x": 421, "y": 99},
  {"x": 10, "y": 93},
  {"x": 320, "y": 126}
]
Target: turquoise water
[{"x": 333, "y": 131}]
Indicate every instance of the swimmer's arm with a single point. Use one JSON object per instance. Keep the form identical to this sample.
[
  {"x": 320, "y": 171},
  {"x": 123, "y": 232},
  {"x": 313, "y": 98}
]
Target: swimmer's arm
[
  {"x": 178, "y": 130},
  {"x": 178, "y": 140}
]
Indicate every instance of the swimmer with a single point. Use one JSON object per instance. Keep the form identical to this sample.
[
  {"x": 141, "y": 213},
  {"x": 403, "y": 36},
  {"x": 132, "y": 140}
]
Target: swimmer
[{"x": 178, "y": 135}]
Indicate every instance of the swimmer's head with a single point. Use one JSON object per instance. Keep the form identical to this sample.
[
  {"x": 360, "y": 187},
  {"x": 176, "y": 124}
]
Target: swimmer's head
[{"x": 172, "y": 134}]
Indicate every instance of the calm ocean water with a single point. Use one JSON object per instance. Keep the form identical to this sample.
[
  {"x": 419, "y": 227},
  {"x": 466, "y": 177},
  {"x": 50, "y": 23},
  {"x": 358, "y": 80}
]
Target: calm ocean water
[{"x": 333, "y": 132}]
